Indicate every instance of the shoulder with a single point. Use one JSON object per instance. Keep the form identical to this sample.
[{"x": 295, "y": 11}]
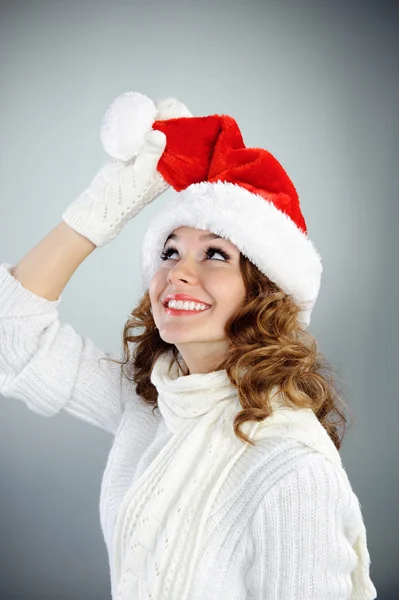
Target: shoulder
[
  {"x": 305, "y": 481},
  {"x": 279, "y": 457},
  {"x": 307, "y": 537},
  {"x": 295, "y": 444},
  {"x": 314, "y": 474}
]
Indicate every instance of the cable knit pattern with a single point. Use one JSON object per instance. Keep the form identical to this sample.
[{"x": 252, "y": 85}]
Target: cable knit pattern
[{"x": 278, "y": 521}]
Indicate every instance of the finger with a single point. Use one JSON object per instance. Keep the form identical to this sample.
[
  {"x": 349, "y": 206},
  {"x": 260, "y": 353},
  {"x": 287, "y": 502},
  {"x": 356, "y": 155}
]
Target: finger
[
  {"x": 171, "y": 108},
  {"x": 148, "y": 157}
]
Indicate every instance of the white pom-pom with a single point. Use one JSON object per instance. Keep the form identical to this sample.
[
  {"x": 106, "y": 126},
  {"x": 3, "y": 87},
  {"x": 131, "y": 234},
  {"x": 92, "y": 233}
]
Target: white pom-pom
[{"x": 125, "y": 124}]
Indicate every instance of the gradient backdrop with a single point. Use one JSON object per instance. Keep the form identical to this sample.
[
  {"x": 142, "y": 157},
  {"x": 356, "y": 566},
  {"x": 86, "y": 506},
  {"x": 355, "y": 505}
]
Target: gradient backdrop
[{"x": 313, "y": 82}]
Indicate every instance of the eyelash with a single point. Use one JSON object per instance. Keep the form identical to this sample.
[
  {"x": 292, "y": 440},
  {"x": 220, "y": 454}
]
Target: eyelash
[{"x": 167, "y": 253}]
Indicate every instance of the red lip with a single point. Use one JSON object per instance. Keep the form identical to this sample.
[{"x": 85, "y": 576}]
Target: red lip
[{"x": 182, "y": 297}]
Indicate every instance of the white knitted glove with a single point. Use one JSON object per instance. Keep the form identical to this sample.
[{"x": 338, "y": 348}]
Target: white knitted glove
[
  {"x": 117, "y": 193},
  {"x": 129, "y": 181}
]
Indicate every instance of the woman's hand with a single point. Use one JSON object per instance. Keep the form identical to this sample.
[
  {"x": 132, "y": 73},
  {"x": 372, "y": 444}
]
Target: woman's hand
[{"x": 121, "y": 188}]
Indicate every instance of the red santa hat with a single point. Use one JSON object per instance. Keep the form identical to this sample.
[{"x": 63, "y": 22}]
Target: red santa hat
[{"x": 242, "y": 194}]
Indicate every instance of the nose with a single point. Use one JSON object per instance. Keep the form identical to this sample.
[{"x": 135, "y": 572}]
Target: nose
[{"x": 182, "y": 271}]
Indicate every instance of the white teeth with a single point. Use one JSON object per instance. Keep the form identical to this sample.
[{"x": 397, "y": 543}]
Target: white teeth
[{"x": 179, "y": 304}]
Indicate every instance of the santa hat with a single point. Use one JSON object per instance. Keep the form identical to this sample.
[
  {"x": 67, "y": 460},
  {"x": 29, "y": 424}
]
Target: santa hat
[{"x": 242, "y": 194}]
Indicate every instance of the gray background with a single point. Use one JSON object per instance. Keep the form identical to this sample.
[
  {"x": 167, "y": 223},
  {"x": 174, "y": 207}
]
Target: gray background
[{"x": 314, "y": 83}]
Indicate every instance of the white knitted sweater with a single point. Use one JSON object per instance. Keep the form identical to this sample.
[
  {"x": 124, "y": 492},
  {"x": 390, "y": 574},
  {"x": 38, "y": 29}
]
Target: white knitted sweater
[{"x": 285, "y": 524}]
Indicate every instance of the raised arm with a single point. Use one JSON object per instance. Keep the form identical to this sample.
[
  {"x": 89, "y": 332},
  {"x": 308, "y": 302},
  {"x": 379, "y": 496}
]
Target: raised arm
[
  {"x": 48, "y": 267},
  {"x": 44, "y": 362}
]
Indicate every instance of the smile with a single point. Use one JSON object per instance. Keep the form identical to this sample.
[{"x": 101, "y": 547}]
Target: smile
[{"x": 181, "y": 312}]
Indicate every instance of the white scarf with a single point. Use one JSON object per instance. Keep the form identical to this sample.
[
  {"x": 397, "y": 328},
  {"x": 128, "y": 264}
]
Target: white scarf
[{"x": 162, "y": 517}]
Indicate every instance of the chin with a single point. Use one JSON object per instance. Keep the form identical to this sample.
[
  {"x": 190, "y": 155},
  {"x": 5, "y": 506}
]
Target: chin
[
  {"x": 181, "y": 335},
  {"x": 169, "y": 338}
]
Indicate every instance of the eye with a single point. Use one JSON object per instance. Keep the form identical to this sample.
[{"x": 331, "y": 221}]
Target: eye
[
  {"x": 215, "y": 250},
  {"x": 209, "y": 251}
]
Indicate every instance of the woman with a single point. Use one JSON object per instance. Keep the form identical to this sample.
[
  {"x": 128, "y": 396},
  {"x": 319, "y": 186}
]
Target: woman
[{"x": 234, "y": 487}]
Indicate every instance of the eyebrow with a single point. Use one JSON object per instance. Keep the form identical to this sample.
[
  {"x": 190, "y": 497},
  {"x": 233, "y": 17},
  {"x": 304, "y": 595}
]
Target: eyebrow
[{"x": 206, "y": 236}]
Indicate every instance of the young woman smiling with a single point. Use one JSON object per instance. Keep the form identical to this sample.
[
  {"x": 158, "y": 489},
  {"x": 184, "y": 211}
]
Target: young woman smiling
[{"x": 224, "y": 479}]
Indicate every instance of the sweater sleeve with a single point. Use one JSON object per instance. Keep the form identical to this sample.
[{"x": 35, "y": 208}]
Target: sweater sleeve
[
  {"x": 304, "y": 534},
  {"x": 47, "y": 365}
]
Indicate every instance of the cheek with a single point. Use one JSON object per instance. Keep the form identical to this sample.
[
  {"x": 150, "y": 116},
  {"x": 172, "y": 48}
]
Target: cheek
[
  {"x": 157, "y": 283},
  {"x": 228, "y": 287},
  {"x": 157, "y": 288},
  {"x": 236, "y": 299},
  {"x": 154, "y": 292}
]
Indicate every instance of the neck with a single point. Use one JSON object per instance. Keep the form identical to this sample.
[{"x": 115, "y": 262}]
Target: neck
[{"x": 201, "y": 358}]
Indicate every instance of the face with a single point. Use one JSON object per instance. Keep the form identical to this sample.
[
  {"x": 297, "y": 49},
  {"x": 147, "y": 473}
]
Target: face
[{"x": 205, "y": 269}]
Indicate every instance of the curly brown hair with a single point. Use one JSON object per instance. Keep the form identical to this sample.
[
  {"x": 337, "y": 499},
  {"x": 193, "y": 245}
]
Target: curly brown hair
[{"x": 267, "y": 348}]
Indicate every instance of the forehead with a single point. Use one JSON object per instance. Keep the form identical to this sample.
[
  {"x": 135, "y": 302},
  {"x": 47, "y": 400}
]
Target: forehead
[{"x": 191, "y": 233}]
